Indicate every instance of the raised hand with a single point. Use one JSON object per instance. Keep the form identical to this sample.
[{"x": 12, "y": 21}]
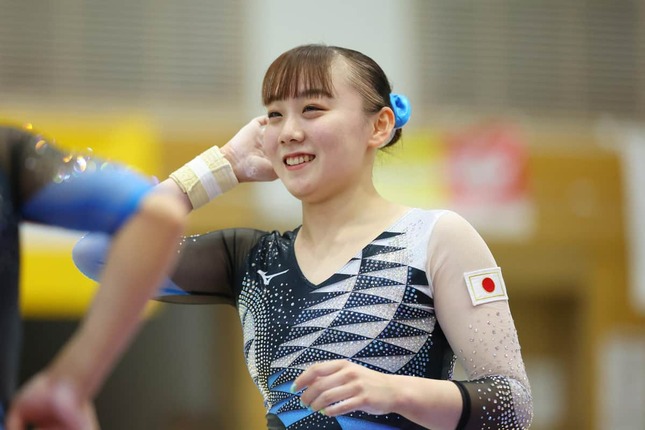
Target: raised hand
[
  {"x": 245, "y": 153},
  {"x": 338, "y": 387}
]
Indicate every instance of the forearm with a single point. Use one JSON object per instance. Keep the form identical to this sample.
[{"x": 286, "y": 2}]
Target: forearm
[
  {"x": 438, "y": 404},
  {"x": 141, "y": 256},
  {"x": 497, "y": 401},
  {"x": 432, "y": 403},
  {"x": 170, "y": 188}
]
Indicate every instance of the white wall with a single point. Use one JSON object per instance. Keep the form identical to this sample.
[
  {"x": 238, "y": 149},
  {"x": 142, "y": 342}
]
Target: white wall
[{"x": 378, "y": 28}]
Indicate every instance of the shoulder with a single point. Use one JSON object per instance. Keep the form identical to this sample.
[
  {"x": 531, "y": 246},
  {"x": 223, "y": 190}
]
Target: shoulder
[
  {"x": 429, "y": 214},
  {"x": 275, "y": 239},
  {"x": 439, "y": 222},
  {"x": 431, "y": 220},
  {"x": 237, "y": 241},
  {"x": 272, "y": 246},
  {"x": 453, "y": 235},
  {"x": 234, "y": 237},
  {"x": 450, "y": 222}
]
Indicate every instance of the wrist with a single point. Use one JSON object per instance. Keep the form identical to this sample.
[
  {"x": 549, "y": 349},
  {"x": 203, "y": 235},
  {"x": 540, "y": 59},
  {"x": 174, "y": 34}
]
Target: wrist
[
  {"x": 429, "y": 402},
  {"x": 400, "y": 395},
  {"x": 229, "y": 155},
  {"x": 70, "y": 368},
  {"x": 205, "y": 177}
]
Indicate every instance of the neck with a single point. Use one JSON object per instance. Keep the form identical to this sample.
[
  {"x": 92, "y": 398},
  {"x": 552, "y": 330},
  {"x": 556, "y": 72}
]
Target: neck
[{"x": 325, "y": 221}]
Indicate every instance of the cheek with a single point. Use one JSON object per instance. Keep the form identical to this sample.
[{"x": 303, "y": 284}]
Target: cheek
[
  {"x": 270, "y": 142},
  {"x": 346, "y": 134},
  {"x": 330, "y": 137}
]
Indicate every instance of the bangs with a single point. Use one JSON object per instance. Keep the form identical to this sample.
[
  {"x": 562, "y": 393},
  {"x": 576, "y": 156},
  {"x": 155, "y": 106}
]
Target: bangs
[{"x": 303, "y": 71}]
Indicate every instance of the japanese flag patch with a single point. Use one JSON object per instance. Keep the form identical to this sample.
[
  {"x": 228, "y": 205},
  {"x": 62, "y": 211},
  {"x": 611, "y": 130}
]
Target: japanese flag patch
[{"x": 486, "y": 285}]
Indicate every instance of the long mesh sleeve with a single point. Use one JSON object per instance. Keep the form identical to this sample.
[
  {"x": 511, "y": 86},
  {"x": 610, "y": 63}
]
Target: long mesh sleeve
[
  {"x": 206, "y": 271},
  {"x": 209, "y": 266},
  {"x": 496, "y": 393}
]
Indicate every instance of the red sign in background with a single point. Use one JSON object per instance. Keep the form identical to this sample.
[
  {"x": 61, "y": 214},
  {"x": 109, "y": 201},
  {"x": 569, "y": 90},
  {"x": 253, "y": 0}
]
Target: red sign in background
[
  {"x": 488, "y": 178},
  {"x": 487, "y": 164}
]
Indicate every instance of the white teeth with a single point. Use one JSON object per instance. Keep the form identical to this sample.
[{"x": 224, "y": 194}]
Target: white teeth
[{"x": 292, "y": 161}]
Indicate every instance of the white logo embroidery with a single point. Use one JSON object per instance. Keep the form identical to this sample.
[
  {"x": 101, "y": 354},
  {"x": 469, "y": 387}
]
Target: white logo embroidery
[{"x": 267, "y": 278}]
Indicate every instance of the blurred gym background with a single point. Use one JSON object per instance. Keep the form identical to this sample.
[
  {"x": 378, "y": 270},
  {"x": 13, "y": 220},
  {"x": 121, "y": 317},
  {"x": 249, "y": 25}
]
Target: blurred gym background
[{"x": 528, "y": 118}]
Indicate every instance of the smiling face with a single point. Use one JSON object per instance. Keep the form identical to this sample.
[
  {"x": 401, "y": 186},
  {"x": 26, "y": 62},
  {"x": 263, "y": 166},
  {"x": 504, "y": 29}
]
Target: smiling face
[
  {"x": 318, "y": 142},
  {"x": 321, "y": 135}
]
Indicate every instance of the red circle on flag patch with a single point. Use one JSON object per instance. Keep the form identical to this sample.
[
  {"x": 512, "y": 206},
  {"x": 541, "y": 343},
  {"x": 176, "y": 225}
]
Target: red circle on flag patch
[{"x": 488, "y": 284}]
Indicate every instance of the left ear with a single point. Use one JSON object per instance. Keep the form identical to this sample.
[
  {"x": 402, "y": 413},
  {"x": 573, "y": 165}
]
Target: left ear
[{"x": 382, "y": 127}]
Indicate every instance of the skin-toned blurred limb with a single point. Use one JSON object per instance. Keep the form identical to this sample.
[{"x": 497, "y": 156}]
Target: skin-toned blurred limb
[{"x": 142, "y": 254}]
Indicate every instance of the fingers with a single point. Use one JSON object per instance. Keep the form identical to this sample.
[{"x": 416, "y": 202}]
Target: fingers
[
  {"x": 262, "y": 120},
  {"x": 316, "y": 371},
  {"x": 342, "y": 407},
  {"x": 328, "y": 387},
  {"x": 327, "y": 399},
  {"x": 339, "y": 387}
]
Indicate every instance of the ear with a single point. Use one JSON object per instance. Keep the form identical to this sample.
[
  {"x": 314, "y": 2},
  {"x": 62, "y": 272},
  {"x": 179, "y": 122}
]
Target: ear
[{"x": 383, "y": 125}]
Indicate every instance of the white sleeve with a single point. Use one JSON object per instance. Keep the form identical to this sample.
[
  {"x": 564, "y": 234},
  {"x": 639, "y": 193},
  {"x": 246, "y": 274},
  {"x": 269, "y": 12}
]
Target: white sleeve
[{"x": 483, "y": 336}]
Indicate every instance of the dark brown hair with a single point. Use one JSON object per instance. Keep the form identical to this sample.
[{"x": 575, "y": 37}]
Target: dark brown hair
[{"x": 309, "y": 67}]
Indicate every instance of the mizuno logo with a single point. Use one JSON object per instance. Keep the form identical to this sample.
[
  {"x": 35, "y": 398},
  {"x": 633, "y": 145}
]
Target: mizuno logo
[{"x": 267, "y": 278}]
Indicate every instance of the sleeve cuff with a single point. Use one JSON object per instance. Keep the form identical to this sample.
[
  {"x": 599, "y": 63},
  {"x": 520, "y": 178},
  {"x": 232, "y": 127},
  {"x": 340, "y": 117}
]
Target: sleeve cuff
[{"x": 465, "y": 410}]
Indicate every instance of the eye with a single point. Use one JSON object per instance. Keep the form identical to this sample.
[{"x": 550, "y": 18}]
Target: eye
[
  {"x": 313, "y": 111},
  {"x": 274, "y": 114}
]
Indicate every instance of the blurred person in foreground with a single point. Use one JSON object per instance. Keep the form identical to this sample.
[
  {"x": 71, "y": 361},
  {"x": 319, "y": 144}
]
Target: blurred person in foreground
[{"x": 39, "y": 183}]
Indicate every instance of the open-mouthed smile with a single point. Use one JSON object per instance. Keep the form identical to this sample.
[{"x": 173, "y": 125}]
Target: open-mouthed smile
[{"x": 294, "y": 160}]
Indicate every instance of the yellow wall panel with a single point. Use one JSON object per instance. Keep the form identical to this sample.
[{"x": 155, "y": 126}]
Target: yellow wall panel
[{"x": 51, "y": 285}]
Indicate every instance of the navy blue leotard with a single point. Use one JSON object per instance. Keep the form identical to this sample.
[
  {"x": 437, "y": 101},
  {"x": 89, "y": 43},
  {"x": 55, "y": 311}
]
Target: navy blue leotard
[{"x": 399, "y": 306}]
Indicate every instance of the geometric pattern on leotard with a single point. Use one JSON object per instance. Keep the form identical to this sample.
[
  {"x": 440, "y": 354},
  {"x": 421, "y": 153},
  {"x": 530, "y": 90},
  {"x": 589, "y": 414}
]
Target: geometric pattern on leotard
[
  {"x": 360, "y": 315},
  {"x": 376, "y": 311},
  {"x": 364, "y": 316}
]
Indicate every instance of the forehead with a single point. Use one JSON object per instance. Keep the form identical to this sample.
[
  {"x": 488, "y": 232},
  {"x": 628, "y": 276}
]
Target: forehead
[
  {"x": 337, "y": 83},
  {"x": 304, "y": 77}
]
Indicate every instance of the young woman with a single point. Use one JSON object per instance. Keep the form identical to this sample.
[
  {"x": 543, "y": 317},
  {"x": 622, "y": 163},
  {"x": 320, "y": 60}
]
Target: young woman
[
  {"x": 355, "y": 318},
  {"x": 41, "y": 184}
]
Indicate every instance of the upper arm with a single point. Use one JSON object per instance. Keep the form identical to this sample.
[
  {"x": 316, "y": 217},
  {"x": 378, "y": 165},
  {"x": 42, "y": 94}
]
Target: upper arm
[
  {"x": 210, "y": 264},
  {"x": 207, "y": 270},
  {"x": 483, "y": 336},
  {"x": 481, "y": 333}
]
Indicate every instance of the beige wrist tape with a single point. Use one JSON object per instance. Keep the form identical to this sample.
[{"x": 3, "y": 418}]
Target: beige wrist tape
[{"x": 205, "y": 177}]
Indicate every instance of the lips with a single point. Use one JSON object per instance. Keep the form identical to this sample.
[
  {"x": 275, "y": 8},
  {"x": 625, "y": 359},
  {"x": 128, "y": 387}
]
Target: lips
[{"x": 297, "y": 159}]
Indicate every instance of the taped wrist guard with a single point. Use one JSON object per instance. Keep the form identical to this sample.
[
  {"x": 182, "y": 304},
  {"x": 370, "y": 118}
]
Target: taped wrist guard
[{"x": 205, "y": 177}]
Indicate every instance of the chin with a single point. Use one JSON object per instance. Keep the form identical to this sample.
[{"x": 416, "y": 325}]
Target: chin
[{"x": 302, "y": 194}]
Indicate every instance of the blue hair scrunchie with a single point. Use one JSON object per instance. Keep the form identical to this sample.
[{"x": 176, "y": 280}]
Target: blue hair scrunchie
[{"x": 401, "y": 107}]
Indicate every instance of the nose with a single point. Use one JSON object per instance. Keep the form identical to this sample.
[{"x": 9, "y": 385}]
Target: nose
[{"x": 292, "y": 131}]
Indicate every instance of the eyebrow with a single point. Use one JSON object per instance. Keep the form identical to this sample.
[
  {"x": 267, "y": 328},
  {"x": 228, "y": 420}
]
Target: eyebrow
[
  {"x": 314, "y": 92},
  {"x": 307, "y": 93}
]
